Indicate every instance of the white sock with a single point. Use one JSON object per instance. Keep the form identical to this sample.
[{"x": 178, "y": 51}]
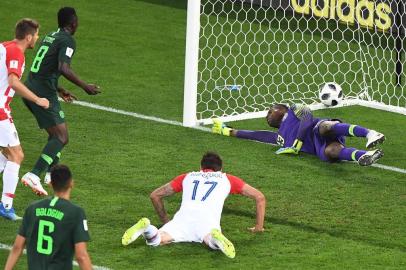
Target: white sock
[
  {"x": 10, "y": 181},
  {"x": 3, "y": 161},
  {"x": 211, "y": 242},
  {"x": 152, "y": 236}
]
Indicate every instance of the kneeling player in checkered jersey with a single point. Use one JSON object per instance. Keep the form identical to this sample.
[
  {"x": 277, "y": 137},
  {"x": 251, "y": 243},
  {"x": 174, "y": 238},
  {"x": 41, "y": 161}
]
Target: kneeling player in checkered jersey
[{"x": 198, "y": 219}]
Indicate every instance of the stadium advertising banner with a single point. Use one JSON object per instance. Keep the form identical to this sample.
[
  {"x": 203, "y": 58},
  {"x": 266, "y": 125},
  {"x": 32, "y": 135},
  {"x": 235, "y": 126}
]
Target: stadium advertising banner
[{"x": 374, "y": 14}]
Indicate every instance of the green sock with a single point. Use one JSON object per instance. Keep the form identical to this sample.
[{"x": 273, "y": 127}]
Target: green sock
[
  {"x": 49, "y": 153},
  {"x": 55, "y": 161}
]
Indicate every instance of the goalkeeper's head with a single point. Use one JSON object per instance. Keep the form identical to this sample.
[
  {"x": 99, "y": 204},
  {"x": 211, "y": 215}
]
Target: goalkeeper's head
[
  {"x": 211, "y": 161},
  {"x": 275, "y": 115}
]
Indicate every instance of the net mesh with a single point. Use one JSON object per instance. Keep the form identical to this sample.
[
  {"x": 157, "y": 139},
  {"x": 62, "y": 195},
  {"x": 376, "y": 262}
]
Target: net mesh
[{"x": 255, "y": 53}]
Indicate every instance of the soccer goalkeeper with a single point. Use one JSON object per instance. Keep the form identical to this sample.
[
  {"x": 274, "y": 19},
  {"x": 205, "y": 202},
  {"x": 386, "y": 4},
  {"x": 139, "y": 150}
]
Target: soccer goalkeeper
[{"x": 299, "y": 131}]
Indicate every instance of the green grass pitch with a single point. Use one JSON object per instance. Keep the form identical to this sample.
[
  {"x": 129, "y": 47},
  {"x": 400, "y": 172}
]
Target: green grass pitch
[{"x": 319, "y": 215}]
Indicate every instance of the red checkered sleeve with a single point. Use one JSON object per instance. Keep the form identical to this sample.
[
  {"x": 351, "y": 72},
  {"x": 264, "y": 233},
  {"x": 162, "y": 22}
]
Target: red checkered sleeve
[
  {"x": 236, "y": 183},
  {"x": 14, "y": 61},
  {"x": 177, "y": 182}
]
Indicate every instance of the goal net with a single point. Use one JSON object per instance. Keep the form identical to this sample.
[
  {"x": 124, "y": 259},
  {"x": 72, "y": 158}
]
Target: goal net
[{"x": 244, "y": 55}]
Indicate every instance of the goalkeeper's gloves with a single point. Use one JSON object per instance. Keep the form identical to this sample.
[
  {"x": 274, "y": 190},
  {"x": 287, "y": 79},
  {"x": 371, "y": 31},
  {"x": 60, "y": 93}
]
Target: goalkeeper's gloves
[
  {"x": 294, "y": 149},
  {"x": 220, "y": 128}
]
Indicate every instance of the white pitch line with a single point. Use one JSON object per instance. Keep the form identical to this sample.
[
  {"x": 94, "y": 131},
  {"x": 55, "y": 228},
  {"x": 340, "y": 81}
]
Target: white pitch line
[
  {"x": 7, "y": 247},
  {"x": 136, "y": 115},
  {"x": 390, "y": 168},
  {"x": 95, "y": 267},
  {"x": 176, "y": 123}
]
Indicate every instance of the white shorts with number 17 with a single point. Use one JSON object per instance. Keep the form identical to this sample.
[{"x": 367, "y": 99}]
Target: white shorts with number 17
[
  {"x": 188, "y": 231},
  {"x": 8, "y": 134}
]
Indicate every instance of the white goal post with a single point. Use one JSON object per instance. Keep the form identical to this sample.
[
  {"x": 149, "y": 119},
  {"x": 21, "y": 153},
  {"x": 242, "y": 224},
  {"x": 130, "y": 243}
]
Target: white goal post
[{"x": 242, "y": 56}]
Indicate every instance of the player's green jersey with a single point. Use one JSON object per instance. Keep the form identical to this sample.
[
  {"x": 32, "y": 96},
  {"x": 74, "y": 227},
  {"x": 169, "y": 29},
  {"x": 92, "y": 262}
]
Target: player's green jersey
[
  {"x": 58, "y": 46},
  {"x": 52, "y": 227}
]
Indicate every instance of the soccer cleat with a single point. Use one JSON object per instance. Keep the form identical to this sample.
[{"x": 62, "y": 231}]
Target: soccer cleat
[
  {"x": 374, "y": 138},
  {"x": 33, "y": 181},
  {"x": 47, "y": 178},
  {"x": 8, "y": 213},
  {"x": 370, "y": 157},
  {"x": 135, "y": 231},
  {"x": 220, "y": 128},
  {"x": 223, "y": 243}
]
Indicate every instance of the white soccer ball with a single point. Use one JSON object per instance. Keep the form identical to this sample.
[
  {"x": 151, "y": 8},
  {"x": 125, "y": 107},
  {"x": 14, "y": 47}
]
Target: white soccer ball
[{"x": 331, "y": 94}]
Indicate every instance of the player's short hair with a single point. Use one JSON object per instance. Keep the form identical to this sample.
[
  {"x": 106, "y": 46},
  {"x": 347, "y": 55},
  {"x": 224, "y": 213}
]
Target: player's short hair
[
  {"x": 66, "y": 16},
  {"x": 212, "y": 161},
  {"x": 61, "y": 177},
  {"x": 25, "y": 27},
  {"x": 279, "y": 106}
]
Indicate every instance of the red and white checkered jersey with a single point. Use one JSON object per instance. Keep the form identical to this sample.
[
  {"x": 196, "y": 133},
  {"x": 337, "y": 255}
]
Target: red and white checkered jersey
[
  {"x": 204, "y": 193},
  {"x": 12, "y": 60}
]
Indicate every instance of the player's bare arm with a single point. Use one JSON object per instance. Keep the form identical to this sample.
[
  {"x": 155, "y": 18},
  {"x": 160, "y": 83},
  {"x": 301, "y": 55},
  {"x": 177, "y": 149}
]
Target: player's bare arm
[
  {"x": 260, "y": 200},
  {"x": 69, "y": 74},
  {"x": 26, "y": 93},
  {"x": 82, "y": 256},
  {"x": 66, "y": 95},
  {"x": 15, "y": 252},
  {"x": 157, "y": 200}
]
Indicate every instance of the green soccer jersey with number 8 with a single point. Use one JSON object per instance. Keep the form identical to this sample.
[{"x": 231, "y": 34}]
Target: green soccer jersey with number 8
[
  {"x": 58, "y": 46},
  {"x": 51, "y": 228}
]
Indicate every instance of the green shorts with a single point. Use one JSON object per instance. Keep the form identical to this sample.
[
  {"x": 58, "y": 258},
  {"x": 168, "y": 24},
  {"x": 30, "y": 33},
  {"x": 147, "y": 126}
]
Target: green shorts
[{"x": 47, "y": 118}]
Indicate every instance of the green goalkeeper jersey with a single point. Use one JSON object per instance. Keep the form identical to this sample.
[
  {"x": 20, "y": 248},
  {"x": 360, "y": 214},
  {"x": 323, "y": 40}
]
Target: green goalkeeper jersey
[
  {"x": 58, "y": 46},
  {"x": 51, "y": 228}
]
